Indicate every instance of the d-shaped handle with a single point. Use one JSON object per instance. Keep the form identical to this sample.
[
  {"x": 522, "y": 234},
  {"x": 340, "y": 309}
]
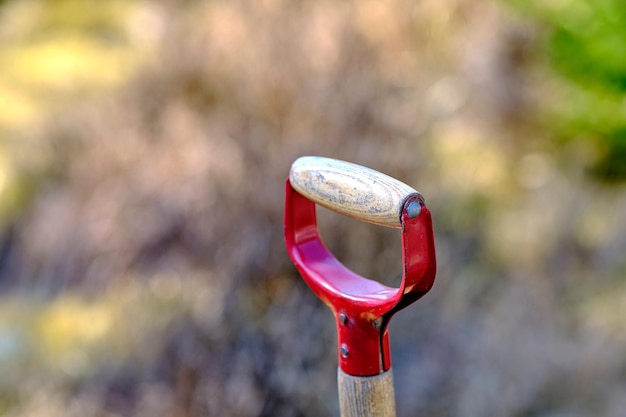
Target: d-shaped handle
[
  {"x": 362, "y": 307},
  {"x": 352, "y": 190}
]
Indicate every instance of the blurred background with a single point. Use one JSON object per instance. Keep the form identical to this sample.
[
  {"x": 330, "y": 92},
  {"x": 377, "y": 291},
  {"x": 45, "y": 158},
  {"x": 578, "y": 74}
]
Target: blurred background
[{"x": 143, "y": 151}]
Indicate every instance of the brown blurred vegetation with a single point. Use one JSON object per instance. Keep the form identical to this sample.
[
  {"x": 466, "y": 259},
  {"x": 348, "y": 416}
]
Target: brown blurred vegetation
[{"x": 144, "y": 148}]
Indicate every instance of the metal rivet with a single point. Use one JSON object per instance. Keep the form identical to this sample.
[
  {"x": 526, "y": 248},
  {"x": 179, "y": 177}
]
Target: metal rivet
[
  {"x": 413, "y": 209},
  {"x": 343, "y": 318},
  {"x": 378, "y": 323},
  {"x": 344, "y": 350}
]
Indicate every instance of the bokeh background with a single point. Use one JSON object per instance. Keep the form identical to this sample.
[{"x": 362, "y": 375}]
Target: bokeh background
[{"x": 143, "y": 151}]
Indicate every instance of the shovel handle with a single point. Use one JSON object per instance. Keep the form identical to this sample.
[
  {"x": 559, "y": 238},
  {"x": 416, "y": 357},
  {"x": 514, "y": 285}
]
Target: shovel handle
[
  {"x": 366, "y": 396},
  {"x": 351, "y": 189}
]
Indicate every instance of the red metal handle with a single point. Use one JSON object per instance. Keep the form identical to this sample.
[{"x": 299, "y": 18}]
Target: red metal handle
[{"x": 362, "y": 307}]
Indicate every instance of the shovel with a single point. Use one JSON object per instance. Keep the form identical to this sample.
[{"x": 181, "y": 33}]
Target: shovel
[{"x": 362, "y": 307}]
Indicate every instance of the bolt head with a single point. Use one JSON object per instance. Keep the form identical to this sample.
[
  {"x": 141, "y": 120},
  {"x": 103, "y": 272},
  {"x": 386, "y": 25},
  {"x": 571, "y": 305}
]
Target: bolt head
[
  {"x": 414, "y": 209},
  {"x": 344, "y": 350}
]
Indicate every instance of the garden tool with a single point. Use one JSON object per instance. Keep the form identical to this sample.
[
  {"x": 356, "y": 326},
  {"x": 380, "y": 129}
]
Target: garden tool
[{"x": 362, "y": 307}]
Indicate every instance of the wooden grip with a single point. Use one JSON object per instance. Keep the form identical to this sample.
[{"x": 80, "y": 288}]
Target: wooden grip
[
  {"x": 351, "y": 189},
  {"x": 366, "y": 396}
]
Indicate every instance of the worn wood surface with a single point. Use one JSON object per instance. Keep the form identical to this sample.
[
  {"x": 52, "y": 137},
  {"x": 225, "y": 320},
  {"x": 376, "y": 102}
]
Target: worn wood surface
[
  {"x": 366, "y": 396},
  {"x": 350, "y": 189}
]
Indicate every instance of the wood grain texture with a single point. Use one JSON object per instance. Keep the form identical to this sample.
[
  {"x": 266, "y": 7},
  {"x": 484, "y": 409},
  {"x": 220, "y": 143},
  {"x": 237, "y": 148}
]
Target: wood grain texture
[
  {"x": 366, "y": 396},
  {"x": 350, "y": 189}
]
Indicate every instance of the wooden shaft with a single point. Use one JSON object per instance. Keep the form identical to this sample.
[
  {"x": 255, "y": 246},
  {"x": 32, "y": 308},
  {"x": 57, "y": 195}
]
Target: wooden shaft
[
  {"x": 350, "y": 189},
  {"x": 366, "y": 396}
]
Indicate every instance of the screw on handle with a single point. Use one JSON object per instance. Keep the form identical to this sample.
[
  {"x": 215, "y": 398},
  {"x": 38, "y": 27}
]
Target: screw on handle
[{"x": 352, "y": 190}]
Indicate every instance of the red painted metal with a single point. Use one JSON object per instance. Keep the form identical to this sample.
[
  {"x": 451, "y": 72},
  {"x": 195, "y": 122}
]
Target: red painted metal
[{"x": 362, "y": 307}]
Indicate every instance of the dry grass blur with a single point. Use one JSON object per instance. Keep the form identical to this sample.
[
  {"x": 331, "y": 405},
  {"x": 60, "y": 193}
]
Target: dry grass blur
[{"x": 143, "y": 152}]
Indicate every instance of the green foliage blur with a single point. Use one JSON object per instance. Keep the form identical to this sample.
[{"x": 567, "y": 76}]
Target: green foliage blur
[
  {"x": 584, "y": 44},
  {"x": 53, "y": 56}
]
